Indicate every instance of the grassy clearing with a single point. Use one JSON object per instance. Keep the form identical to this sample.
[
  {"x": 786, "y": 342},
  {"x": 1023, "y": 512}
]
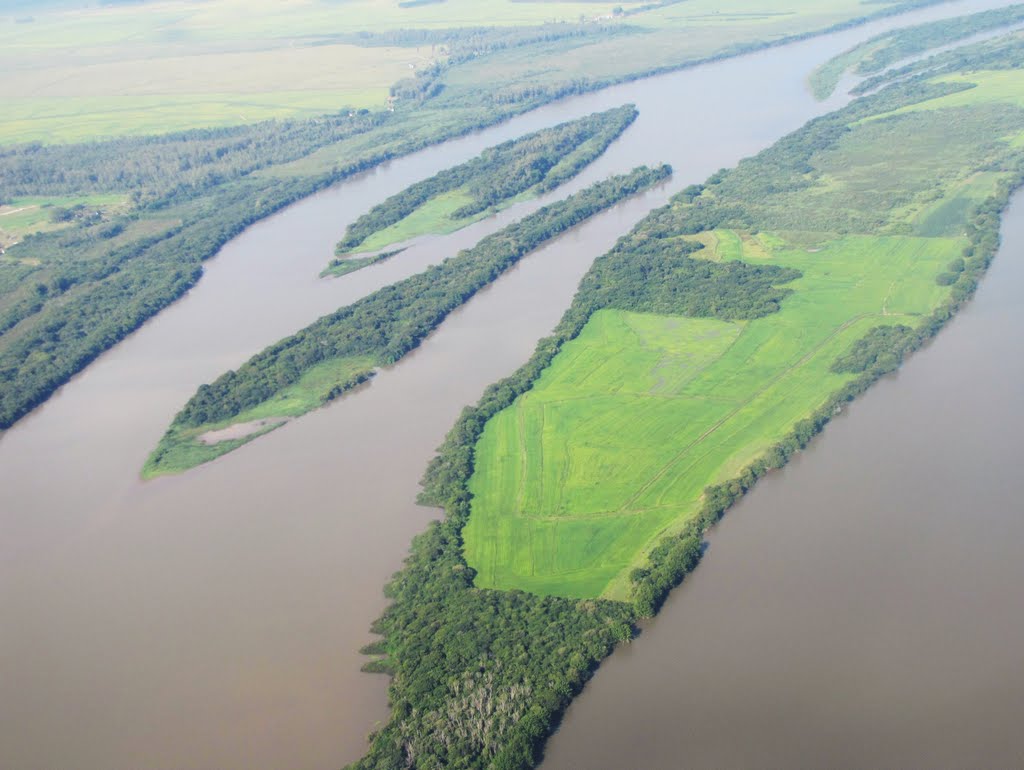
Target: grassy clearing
[
  {"x": 181, "y": 447},
  {"x": 144, "y": 96},
  {"x": 616, "y": 442},
  {"x": 946, "y": 215},
  {"x": 434, "y": 217},
  {"x": 74, "y": 74},
  {"x": 24, "y": 216},
  {"x": 992, "y": 87}
]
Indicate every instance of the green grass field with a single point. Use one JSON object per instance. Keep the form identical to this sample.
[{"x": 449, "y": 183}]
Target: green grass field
[
  {"x": 993, "y": 87},
  {"x": 24, "y": 216},
  {"x": 616, "y": 442},
  {"x": 77, "y": 73}
]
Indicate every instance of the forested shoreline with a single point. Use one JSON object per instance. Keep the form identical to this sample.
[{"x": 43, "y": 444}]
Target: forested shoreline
[{"x": 51, "y": 332}]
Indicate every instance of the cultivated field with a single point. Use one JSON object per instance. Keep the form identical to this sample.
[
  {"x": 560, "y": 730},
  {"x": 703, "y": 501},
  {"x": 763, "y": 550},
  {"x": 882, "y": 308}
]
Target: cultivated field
[{"x": 618, "y": 439}]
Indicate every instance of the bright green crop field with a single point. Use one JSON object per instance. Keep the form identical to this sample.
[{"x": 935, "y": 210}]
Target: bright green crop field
[{"x": 616, "y": 442}]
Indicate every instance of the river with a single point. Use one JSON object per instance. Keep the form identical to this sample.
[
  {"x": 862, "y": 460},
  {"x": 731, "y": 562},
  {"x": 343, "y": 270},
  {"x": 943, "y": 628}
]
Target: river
[{"x": 213, "y": 619}]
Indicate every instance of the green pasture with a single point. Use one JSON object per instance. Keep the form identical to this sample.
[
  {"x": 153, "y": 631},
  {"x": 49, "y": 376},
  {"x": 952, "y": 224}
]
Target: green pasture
[
  {"x": 616, "y": 442},
  {"x": 66, "y": 119},
  {"x": 77, "y": 73}
]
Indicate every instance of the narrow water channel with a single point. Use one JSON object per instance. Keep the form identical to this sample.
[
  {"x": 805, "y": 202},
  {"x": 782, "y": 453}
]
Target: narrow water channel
[{"x": 213, "y": 619}]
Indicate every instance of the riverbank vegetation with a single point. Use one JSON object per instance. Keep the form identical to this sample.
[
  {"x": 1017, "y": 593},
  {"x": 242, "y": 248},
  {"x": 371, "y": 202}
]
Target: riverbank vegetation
[
  {"x": 883, "y": 51},
  {"x": 797, "y": 208},
  {"x": 458, "y": 196},
  {"x": 341, "y": 350},
  {"x": 339, "y": 267}
]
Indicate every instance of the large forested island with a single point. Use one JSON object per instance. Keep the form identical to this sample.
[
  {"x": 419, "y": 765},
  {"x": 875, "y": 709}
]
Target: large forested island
[
  {"x": 702, "y": 352},
  {"x": 716, "y": 331}
]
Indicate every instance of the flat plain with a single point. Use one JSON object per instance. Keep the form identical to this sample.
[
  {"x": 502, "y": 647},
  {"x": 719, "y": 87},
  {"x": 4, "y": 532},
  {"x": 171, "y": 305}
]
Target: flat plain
[{"x": 74, "y": 73}]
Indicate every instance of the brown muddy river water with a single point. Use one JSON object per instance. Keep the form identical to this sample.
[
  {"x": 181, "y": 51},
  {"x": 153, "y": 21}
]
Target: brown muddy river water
[{"x": 857, "y": 608}]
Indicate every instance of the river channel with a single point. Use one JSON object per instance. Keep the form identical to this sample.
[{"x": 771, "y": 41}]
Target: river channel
[{"x": 212, "y": 620}]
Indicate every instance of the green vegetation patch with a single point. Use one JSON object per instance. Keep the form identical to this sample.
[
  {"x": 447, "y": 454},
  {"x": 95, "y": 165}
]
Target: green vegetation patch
[
  {"x": 343, "y": 266},
  {"x": 184, "y": 447},
  {"x": 435, "y": 217},
  {"x": 458, "y": 196},
  {"x": 616, "y": 442},
  {"x": 978, "y": 88},
  {"x": 885, "y": 50},
  {"x": 24, "y": 216}
]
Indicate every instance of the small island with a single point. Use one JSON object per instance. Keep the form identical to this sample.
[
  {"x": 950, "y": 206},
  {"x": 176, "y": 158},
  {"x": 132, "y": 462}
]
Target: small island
[{"x": 496, "y": 179}]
